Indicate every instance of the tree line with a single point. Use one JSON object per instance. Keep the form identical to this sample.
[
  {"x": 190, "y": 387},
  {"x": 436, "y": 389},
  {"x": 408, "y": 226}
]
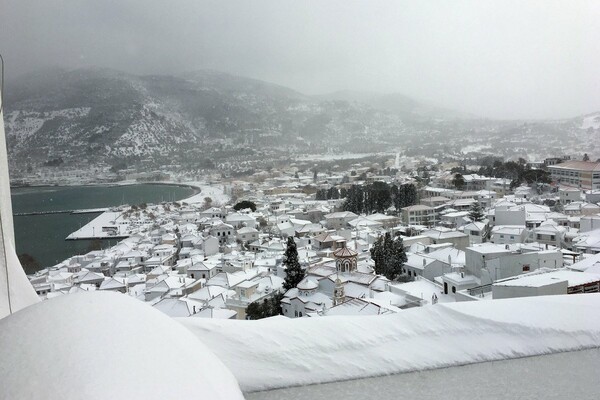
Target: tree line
[
  {"x": 518, "y": 172},
  {"x": 378, "y": 197}
]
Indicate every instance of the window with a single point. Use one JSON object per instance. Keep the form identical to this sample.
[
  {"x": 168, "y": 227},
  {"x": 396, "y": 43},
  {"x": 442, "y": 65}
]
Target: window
[
  {"x": 526, "y": 268},
  {"x": 453, "y": 289}
]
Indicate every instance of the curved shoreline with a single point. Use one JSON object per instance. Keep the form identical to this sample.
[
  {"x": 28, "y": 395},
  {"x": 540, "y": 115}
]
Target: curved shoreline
[{"x": 196, "y": 189}]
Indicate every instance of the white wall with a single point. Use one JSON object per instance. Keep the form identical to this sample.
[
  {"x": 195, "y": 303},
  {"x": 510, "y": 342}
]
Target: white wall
[
  {"x": 508, "y": 292},
  {"x": 510, "y": 217}
]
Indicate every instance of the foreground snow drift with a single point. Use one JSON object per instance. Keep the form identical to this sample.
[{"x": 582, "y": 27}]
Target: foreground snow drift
[
  {"x": 280, "y": 352},
  {"x": 105, "y": 346}
]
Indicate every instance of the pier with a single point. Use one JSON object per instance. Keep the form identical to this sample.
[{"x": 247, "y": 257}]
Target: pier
[{"x": 82, "y": 211}]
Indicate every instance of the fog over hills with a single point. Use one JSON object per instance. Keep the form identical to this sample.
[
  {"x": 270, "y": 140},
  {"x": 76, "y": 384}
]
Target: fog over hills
[
  {"x": 95, "y": 115},
  {"x": 396, "y": 103}
]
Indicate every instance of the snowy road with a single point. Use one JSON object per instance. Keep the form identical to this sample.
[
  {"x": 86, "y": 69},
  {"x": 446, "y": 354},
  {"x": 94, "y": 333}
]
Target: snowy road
[{"x": 555, "y": 376}]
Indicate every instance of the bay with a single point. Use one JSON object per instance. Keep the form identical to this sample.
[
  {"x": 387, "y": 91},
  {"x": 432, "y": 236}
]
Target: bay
[{"x": 43, "y": 236}]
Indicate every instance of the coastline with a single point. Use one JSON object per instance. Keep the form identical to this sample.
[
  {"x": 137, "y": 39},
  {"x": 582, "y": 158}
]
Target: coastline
[{"x": 192, "y": 185}]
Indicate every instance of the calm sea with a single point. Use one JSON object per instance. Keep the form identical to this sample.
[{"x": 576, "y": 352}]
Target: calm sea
[{"x": 43, "y": 236}]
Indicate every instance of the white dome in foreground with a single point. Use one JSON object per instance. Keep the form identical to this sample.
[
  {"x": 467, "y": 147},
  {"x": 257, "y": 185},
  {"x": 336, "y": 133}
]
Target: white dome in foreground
[{"x": 106, "y": 346}]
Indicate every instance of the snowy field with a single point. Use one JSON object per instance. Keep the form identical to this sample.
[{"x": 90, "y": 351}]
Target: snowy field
[
  {"x": 93, "y": 229},
  {"x": 215, "y": 192},
  {"x": 554, "y": 376},
  {"x": 280, "y": 352}
]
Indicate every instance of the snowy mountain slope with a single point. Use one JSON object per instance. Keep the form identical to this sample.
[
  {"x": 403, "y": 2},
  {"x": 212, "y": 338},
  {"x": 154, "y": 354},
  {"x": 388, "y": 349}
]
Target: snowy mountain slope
[
  {"x": 94, "y": 116},
  {"x": 90, "y": 114},
  {"x": 98, "y": 114},
  {"x": 280, "y": 352},
  {"x": 591, "y": 122}
]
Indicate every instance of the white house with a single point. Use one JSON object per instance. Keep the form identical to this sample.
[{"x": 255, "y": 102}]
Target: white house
[
  {"x": 247, "y": 234},
  {"x": 508, "y": 234},
  {"x": 475, "y": 231}
]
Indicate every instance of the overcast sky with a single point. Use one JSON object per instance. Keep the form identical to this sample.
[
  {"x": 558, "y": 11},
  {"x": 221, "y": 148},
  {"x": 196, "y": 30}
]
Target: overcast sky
[{"x": 507, "y": 59}]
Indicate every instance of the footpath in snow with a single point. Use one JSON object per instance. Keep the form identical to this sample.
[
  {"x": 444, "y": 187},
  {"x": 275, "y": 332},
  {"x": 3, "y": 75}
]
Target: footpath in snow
[{"x": 280, "y": 352}]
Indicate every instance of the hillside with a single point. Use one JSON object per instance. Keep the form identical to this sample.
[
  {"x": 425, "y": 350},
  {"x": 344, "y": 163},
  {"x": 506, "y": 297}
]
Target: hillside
[
  {"x": 207, "y": 119},
  {"x": 93, "y": 115}
]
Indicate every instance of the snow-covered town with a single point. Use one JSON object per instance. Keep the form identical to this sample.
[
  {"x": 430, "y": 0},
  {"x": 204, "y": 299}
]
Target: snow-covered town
[
  {"x": 315, "y": 200},
  {"x": 462, "y": 237}
]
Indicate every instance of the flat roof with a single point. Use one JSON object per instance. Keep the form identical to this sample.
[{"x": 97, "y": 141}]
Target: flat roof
[
  {"x": 578, "y": 165},
  {"x": 573, "y": 278}
]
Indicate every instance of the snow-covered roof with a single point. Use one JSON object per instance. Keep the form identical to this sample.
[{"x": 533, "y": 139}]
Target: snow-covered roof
[
  {"x": 307, "y": 284},
  {"x": 543, "y": 278}
]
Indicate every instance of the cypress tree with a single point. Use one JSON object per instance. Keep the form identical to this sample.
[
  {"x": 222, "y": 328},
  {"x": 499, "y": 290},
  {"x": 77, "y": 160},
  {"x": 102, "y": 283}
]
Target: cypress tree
[
  {"x": 293, "y": 271},
  {"x": 396, "y": 260}
]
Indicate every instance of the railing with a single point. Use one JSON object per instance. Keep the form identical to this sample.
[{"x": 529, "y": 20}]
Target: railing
[{"x": 480, "y": 290}]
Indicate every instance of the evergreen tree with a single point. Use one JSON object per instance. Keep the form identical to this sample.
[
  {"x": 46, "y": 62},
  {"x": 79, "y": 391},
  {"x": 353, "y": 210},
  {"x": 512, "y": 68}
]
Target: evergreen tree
[
  {"x": 378, "y": 254},
  {"x": 396, "y": 199},
  {"x": 381, "y": 196},
  {"x": 458, "y": 181},
  {"x": 476, "y": 213},
  {"x": 409, "y": 194},
  {"x": 321, "y": 194},
  {"x": 333, "y": 193},
  {"x": 389, "y": 256},
  {"x": 244, "y": 204},
  {"x": 586, "y": 157},
  {"x": 267, "y": 308},
  {"x": 254, "y": 310},
  {"x": 396, "y": 260},
  {"x": 293, "y": 271},
  {"x": 354, "y": 200}
]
